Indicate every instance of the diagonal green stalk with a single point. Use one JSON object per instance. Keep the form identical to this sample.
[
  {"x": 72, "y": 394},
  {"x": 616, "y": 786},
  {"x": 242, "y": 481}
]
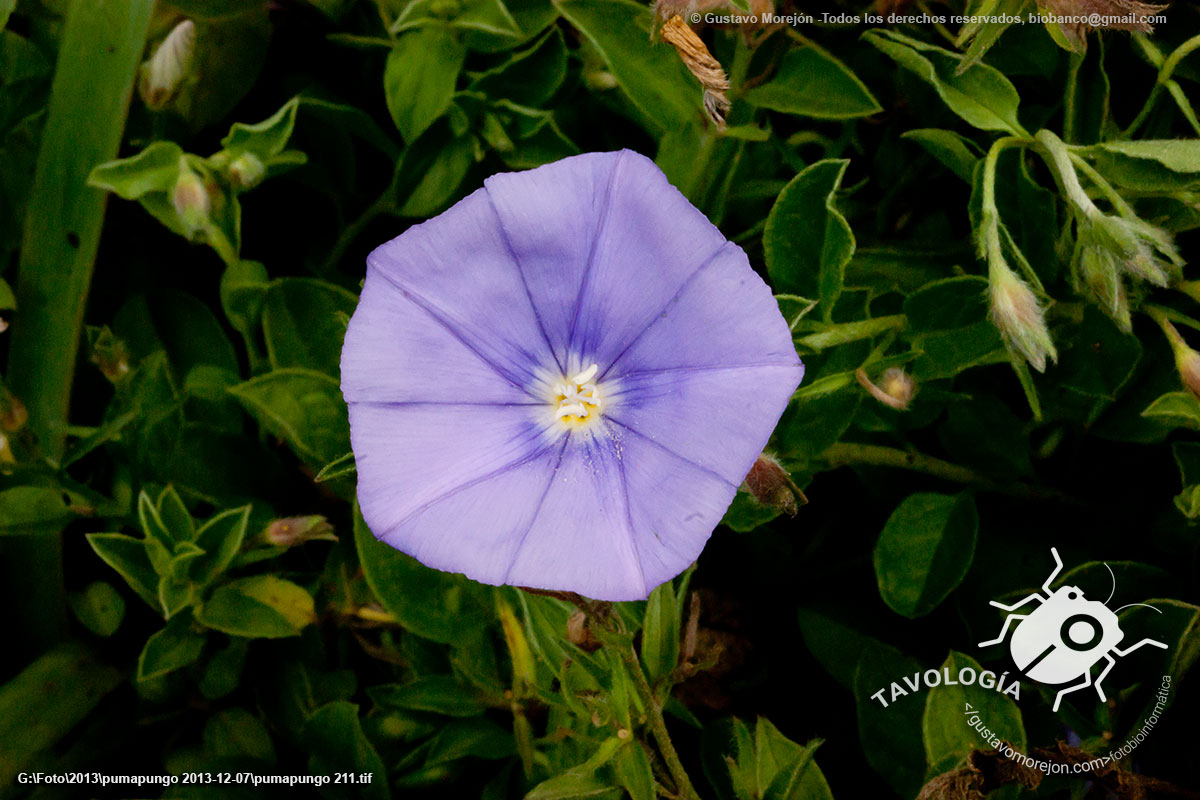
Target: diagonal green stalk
[{"x": 99, "y": 52}]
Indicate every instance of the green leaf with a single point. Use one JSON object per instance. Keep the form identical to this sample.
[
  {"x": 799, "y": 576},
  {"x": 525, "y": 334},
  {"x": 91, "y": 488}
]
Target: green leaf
[
  {"x": 220, "y": 538},
  {"x": 807, "y": 242},
  {"x": 155, "y": 169},
  {"x": 265, "y": 139},
  {"x": 127, "y": 556},
  {"x": 651, "y": 75},
  {"x": 531, "y": 76},
  {"x": 1178, "y": 409},
  {"x": 430, "y": 603},
  {"x": 957, "y": 153},
  {"x": 925, "y": 550},
  {"x": 99, "y": 607},
  {"x": 1100, "y": 358},
  {"x": 243, "y": 291},
  {"x": 262, "y": 606},
  {"x": 441, "y": 177},
  {"x": 175, "y": 646},
  {"x": 304, "y": 323},
  {"x": 419, "y": 78},
  {"x": 338, "y": 468},
  {"x": 36, "y": 509},
  {"x": 634, "y": 772},
  {"x": 890, "y": 736},
  {"x": 335, "y": 742},
  {"x": 836, "y": 646},
  {"x": 660, "y": 633},
  {"x": 981, "y": 95},
  {"x": 811, "y": 82},
  {"x": 581, "y": 781},
  {"x": 236, "y": 733},
  {"x": 437, "y": 694},
  {"x": 223, "y": 673},
  {"x": 470, "y": 738},
  {"x": 46, "y": 701},
  {"x": 946, "y": 732},
  {"x": 1181, "y": 157},
  {"x": 302, "y": 407}
]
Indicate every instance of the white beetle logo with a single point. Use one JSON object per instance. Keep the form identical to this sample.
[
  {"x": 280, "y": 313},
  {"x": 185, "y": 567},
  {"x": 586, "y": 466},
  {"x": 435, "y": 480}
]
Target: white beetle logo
[{"x": 1062, "y": 639}]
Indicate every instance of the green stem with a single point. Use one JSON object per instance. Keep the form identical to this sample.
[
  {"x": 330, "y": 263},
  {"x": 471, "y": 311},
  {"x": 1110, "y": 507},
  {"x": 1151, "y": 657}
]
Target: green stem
[
  {"x": 99, "y": 52},
  {"x": 1070, "y": 98},
  {"x": 852, "y": 332},
  {"x": 989, "y": 219},
  {"x": 384, "y": 204},
  {"x": 658, "y": 725},
  {"x": 1106, "y": 188},
  {"x": 1164, "y": 77},
  {"x": 845, "y": 454},
  {"x": 1057, "y": 156}
]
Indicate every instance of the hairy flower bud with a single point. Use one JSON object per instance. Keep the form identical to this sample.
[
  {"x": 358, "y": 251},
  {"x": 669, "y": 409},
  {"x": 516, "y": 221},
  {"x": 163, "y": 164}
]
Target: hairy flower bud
[
  {"x": 246, "y": 171},
  {"x": 291, "y": 531},
  {"x": 163, "y": 73},
  {"x": 1018, "y": 315},
  {"x": 1087, "y": 15},
  {"x": 1187, "y": 360},
  {"x": 771, "y": 485},
  {"x": 895, "y": 388},
  {"x": 191, "y": 200},
  {"x": 580, "y": 634}
]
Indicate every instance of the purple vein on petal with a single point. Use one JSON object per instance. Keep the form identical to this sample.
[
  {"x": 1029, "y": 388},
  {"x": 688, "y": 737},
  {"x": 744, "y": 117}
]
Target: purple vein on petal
[
  {"x": 446, "y": 495},
  {"x": 589, "y": 268},
  {"x": 659, "y": 314},
  {"x": 426, "y": 306},
  {"x": 612, "y": 418},
  {"x": 637, "y": 560},
  {"x": 445, "y": 404},
  {"x": 538, "y": 509},
  {"x": 709, "y": 368},
  {"x": 512, "y": 254}
]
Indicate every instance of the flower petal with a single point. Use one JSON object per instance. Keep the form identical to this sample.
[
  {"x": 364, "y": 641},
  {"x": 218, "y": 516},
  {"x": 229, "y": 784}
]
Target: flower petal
[
  {"x": 551, "y": 216},
  {"x": 712, "y": 417},
  {"x": 724, "y": 316},
  {"x": 651, "y": 243},
  {"x": 581, "y": 540},
  {"x": 396, "y": 352},
  {"x": 458, "y": 268},
  {"x": 477, "y": 529},
  {"x": 412, "y": 456}
]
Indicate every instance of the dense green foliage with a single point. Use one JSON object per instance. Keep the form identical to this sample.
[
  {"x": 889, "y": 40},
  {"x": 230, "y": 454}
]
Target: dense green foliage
[{"x": 981, "y": 215}]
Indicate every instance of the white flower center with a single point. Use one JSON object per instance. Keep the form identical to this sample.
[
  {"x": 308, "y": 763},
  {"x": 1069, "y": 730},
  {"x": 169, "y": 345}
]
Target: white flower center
[{"x": 578, "y": 398}]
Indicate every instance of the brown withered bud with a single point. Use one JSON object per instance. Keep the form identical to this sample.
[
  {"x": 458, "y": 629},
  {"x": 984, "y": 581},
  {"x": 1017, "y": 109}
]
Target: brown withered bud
[
  {"x": 291, "y": 531},
  {"x": 580, "y": 634},
  {"x": 13, "y": 414},
  {"x": 109, "y": 354},
  {"x": 692, "y": 628},
  {"x": 702, "y": 65},
  {"x": 1187, "y": 360},
  {"x": 771, "y": 485},
  {"x": 1125, "y": 15},
  {"x": 895, "y": 388}
]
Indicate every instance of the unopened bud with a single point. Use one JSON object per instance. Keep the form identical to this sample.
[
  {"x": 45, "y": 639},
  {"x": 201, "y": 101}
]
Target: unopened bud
[
  {"x": 246, "y": 171},
  {"x": 580, "y": 634},
  {"x": 895, "y": 388},
  {"x": 292, "y": 531},
  {"x": 164, "y": 72},
  {"x": 191, "y": 201},
  {"x": 109, "y": 354},
  {"x": 1018, "y": 315},
  {"x": 771, "y": 485},
  {"x": 6, "y": 453},
  {"x": 13, "y": 414},
  {"x": 1187, "y": 360}
]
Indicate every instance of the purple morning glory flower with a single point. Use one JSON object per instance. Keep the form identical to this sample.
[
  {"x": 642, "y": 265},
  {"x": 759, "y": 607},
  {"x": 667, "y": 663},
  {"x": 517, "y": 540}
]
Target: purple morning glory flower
[{"x": 561, "y": 381}]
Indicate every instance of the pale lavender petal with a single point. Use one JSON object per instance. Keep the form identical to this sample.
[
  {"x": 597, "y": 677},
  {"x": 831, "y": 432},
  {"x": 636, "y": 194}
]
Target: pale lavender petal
[
  {"x": 651, "y": 242},
  {"x": 581, "y": 540},
  {"x": 673, "y": 506},
  {"x": 458, "y": 269},
  {"x": 397, "y": 352},
  {"x": 551, "y": 217},
  {"x": 411, "y": 456},
  {"x": 712, "y": 417},
  {"x": 724, "y": 316},
  {"x": 477, "y": 529}
]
